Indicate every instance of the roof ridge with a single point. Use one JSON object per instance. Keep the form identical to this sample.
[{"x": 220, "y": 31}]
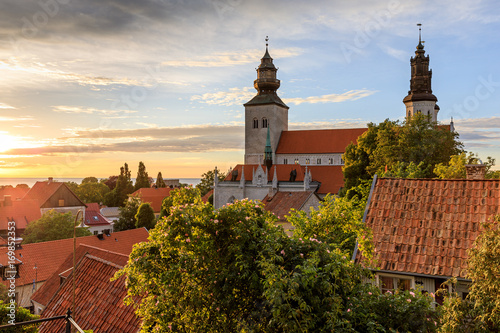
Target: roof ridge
[{"x": 107, "y": 262}]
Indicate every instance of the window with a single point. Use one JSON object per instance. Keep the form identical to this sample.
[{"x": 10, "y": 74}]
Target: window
[
  {"x": 330, "y": 161},
  {"x": 318, "y": 161},
  {"x": 255, "y": 123},
  {"x": 285, "y": 161},
  {"x": 296, "y": 161},
  {"x": 264, "y": 122},
  {"x": 341, "y": 161},
  {"x": 95, "y": 218},
  {"x": 307, "y": 161},
  {"x": 61, "y": 202},
  {"x": 390, "y": 283}
]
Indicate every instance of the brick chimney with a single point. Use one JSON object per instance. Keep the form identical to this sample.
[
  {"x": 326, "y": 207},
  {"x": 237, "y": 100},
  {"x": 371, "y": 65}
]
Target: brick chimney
[
  {"x": 475, "y": 171},
  {"x": 51, "y": 179}
]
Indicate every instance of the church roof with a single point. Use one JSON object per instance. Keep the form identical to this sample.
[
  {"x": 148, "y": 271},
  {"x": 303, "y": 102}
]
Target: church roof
[
  {"x": 330, "y": 176},
  {"x": 266, "y": 99},
  {"x": 318, "y": 141}
]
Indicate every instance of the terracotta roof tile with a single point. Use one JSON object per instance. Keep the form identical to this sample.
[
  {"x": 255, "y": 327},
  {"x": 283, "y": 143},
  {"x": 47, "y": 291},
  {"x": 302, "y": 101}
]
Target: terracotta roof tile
[
  {"x": 20, "y": 211},
  {"x": 13, "y": 192},
  {"x": 282, "y": 202},
  {"x": 93, "y": 216},
  {"x": 425, "y": 226},
  {"x": 318, "y": 141},
  {"x": 153, "y": 195},
  {"x": 42, "y": 191},
  {"x": 48, "y": 256},
  {"x": 99, "y": 302}
]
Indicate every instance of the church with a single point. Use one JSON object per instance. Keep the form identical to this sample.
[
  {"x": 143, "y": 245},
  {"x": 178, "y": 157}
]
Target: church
[{"x": 280, "y": 161}]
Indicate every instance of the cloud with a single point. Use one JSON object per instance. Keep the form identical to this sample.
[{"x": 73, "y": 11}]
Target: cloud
[
  {"x": 474, "y": 123},
  {"x": 20, "y": 118},
  {"x": 6, "y": 106},
  {"x": 226, "y": 59},
  {"x": 235, "y": 96},
  {"x": 351, "y": 95},
  {"x": 334, "y": 123},
  {"x": 89, "y": 110}
]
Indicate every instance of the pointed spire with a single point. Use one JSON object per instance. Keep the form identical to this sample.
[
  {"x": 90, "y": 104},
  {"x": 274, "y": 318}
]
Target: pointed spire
[
  {"x": 216, "y": 178},
  {"x": 242, "y": 179},
  {"x": 306, "y": 180},
  {"x": 268, "y": 151},
  {"x": 275, "y": 179}
]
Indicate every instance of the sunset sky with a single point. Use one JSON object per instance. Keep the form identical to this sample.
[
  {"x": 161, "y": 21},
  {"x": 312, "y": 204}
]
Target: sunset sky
[{"x": 86, "y": 85}]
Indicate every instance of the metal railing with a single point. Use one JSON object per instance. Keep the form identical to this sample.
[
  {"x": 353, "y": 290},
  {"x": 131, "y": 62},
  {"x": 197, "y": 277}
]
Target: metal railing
[{"x": 69, "y": 322}]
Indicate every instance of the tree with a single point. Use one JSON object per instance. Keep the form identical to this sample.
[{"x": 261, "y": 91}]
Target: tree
[
  {"x": 207, "y": 181},
  {"x": 179, "y": 197},
  {"x": 160, "y": 183},
  {"x": 89, "y": 180},
  {"x": 72, "y": 186},
  {"x": 110, "y": 182},
  {"x": 11, "y": 312},
  {"x": 128, "y": 212},
  {"x": 142, "y": 179},
  {"x": 52, "y": 226},
  {"x": 480, "y": 311},
  {"x": 145, "y": 217},
  {"x": 455, "y": 167},
  {"x": 412, "y": 148},
  {"x": 118, "y": 196},
  {"x": 90, "y": 192}
]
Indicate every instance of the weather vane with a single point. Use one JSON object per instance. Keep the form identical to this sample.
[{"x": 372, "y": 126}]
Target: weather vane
[{"x": 267, "y": 40}]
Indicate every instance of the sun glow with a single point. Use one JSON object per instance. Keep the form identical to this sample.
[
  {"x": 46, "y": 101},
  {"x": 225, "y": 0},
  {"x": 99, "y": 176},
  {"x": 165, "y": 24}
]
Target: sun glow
[{"x": 8, "y": 142}]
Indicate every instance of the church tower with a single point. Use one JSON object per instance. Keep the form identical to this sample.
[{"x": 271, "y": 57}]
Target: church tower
[
  {"x": 420, "y": 98},
  {"x": 264, "y": 113}
]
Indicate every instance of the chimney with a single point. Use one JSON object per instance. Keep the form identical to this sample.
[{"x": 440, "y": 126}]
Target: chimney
[
  {"x": 51, "y": 179},
  {"x": 475, "y": 171}
]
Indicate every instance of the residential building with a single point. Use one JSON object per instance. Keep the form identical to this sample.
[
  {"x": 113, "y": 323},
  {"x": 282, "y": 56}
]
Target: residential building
[
  {"x": 154, "y": 196},
  {"x": 95, "y": 221}
]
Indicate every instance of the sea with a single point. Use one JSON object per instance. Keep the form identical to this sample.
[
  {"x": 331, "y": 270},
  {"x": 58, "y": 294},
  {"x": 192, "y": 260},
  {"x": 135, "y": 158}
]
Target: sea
[{"x": 31, "y": 181}]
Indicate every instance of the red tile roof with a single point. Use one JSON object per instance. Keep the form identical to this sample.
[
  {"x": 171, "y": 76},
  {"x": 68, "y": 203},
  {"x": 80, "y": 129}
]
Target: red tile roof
[
  {"x": 318, "y": 141},
  {"x": 330, "y": 176},
  {"x": 48, "y": 256},
  {"x": 207, "y": 196},
  {"x": 153, "y": 195},
  {"x": 20, "y": 211},
  {"x": 49, "y": 288},
  {"x": 42, "y": 191},
  {"x": 282, "y": 202},
  {"x": 14, "y": 192},
  {"x": 93, "y": 215},
  {"x": 99, "y": 302},
  {"x": 426, "y": 226}
]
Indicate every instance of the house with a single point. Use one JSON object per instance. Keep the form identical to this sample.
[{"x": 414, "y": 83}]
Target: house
[
  {"x": 269, "y": 143},
  {"x": 281, "y": 203},
  {"x": 153, "y": 196},
  {"x": 111, "y": 213},
  {"x": 52, "y": 195},
  {"x": 36, "y": 262},
  {"x": 13, "y": 210},
  {"x": 95, "y": 221},
  {"x": 98, "y": 301},
  {"x": 422, "y": 228}
]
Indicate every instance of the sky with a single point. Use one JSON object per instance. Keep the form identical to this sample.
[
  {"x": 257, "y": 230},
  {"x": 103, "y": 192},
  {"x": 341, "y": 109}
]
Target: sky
[{"x": 88, "y": 85}]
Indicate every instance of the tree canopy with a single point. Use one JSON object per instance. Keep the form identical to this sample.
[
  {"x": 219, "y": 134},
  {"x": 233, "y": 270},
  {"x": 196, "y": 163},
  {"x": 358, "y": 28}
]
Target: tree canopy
[
  {"x": 118, "y": 196},
  {"x": 207, "y": 180},
  {"x": 145, "y": 217},
  {"x": 455, "y": 167},
  {"x": 412, "y": 149},
  {"x": 90, "y": 192},
  {"x": 128, "y": 212},
  {"x": 160, "y": 183},
  {"x": 10, "y": 311},
  {"x": 52, "y": 226},
  {"x": 142, "y": 179}
]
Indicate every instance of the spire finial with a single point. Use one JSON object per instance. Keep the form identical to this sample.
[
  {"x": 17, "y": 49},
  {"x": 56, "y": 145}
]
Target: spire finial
[
  {"x": 267, "y": 40},
  {"x": 419, "y": 33}
]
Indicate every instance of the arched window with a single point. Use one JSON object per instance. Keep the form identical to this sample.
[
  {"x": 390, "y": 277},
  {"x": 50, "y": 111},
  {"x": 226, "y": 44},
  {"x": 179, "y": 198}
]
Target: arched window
[
  {"x": 264, "y": 122},
  {"x": 255, "y": 123}
]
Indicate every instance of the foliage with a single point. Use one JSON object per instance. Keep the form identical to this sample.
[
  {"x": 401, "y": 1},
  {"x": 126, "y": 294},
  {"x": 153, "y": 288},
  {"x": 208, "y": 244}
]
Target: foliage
[
  {"x": 110, "y": 182},
  {"x": 177, "y": 197},
  {"x": 90, "y": 192},
  {"x": 233, "y": 270},
  {"x": 10, "y": 311},
  {"x": 118, "y": 196},
  {"x": 406, "y": 170},
  {"x": 145, "y": 217},
  {"x": 128, "y": 212},
  {"x": 160, "y": 183},
  {"x": 72, "y": 186},
  {"x": 417, "y": 140},
  {"x": 455, "y": 167},
  {"x": 402, "y": 311},
  {"x": 480, "y": 311},
  {"x": 337, "y": 221},
  {"x": 52, "y": 226},
  {"x": 89, "y": 180},
  {"x": 207, "y": 180},
  {"x": 142, "y": 179}
]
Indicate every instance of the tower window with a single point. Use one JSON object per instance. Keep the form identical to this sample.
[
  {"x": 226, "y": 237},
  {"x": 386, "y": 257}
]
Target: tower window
[
  {"x": 296, "y": 161},
  {"x": 318, "y": 161},
  {"x": 264, "y": 122},
  {"x": 330, "y": 161},
  {"x": 255, "y": 123},
  {"x": 307, "y": 161},
  {"x": 285, "y": 161}
]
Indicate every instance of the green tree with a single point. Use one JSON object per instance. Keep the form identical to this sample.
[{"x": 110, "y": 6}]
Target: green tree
[
  {"x": 118, "y": 196},
  {"x": 480, "y": 311},
  {"x": 412, "y": 148},
  {"x": 52, "y": 226},
  {"x": 110, "y": 182},
  {"x": 145, "y": 217},
  {"x": 142, "y": 179},
  {"x": 160, "y": 183},
  {"x": 72, "y": 186},
  {"x": 10, "y": 311},
  {"x": 128, "y": 212},
  {"x": 89, "y": 180},
  {"x": 179, "y": 196},
  {"x": 90, "y": 192},
  {"x": 207, "y": 181},
  {"x": 455, "y": 167}
]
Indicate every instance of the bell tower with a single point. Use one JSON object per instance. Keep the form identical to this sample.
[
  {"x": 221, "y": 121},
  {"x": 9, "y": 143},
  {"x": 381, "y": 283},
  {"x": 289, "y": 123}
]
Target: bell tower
[
  {"x": 420, "y": 98},
  {"x": 264, "y": 113}
]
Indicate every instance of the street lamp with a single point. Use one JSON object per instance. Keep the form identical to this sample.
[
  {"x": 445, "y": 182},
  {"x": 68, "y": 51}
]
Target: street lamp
[{"x": 74, "y": 259}]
